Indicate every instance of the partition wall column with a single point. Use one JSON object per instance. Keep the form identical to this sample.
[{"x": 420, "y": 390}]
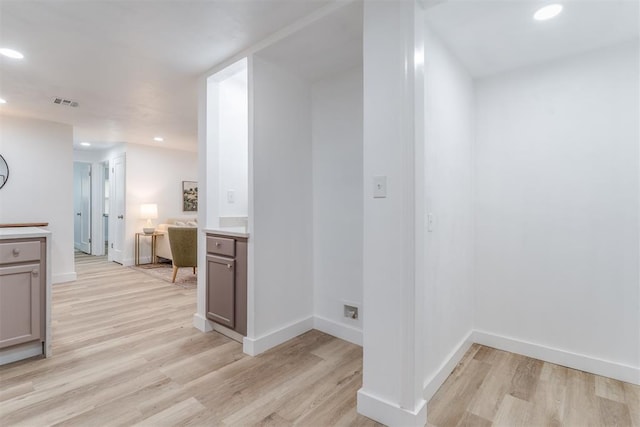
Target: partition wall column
[{"x": 393, "y": 288}]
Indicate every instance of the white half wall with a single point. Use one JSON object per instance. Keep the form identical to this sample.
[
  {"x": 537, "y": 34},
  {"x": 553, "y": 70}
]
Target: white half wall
[
  {"x": 337, "y": 202},
  {"x": 448, "y": 257},
  {"x": 40, "y": 185},
  {"x": 557, "y": 193},
  {"x": 155, "y": 175},
  {"x": 281, "y": 292}
]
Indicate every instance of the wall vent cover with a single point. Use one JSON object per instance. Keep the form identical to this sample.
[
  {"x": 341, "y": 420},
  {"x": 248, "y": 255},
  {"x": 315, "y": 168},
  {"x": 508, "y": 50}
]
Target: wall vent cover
[{"x": 65, "y": 102}]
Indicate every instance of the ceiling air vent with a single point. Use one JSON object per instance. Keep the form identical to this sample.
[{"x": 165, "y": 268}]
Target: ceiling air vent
[{"x": 65, "y": 102}]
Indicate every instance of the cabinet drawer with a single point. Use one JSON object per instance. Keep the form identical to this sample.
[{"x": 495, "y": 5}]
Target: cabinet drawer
[
  {"x": 11, "y": 252},
  {"x": 221, "y": 246}
]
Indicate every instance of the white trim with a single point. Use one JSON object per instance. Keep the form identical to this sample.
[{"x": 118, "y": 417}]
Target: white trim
[
  {"x": 338, "y": 330},
  {"x": 581, "y": 362},
  {"x": 19, "y": 352},
  {"x": 432, "y": 384},
  {"x": 255, "y": 346},
  {"x": 64, "y": 277},
  {"x": 202, "y": 323},
  {"x": 229, "y": 333},
  {"x": 389, "y": 413}
]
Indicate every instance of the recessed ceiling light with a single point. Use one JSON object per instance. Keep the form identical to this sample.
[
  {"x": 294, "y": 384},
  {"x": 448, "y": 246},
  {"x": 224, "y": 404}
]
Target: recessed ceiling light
[
  {"x": 3, "y": 101},
  {"x": 10, "y": 53},
  {"x": 85, "y": 144},
  {"x": 158, "y": 139},
  {"x": 548, "y": 12}
]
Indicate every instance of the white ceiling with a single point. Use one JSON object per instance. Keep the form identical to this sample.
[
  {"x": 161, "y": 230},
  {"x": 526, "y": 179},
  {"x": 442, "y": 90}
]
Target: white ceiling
[
  {"x": 494, "y": 36},
  {"x": 326, "y": 47},
  {"x": 131, "y": 65}
]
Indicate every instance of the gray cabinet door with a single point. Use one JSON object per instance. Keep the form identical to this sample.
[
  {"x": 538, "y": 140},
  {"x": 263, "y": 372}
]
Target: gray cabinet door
[
  {"x": 20, "y": 299},
  {"x": 221, "y": 290}
]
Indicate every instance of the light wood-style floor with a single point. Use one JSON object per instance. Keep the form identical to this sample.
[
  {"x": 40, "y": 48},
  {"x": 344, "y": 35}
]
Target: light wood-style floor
[
  {"x": 125, "y": 353},
  {"x": 490, "y": 387}
]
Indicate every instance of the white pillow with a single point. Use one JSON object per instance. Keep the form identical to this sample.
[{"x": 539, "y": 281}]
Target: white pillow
[
  {"x": 192, "y": 223},
  {"x": 179, "y": 223}
]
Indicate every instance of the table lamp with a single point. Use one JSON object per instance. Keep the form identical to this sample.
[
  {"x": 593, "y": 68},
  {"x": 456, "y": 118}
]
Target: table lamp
[{"x": 149, "y": 211}]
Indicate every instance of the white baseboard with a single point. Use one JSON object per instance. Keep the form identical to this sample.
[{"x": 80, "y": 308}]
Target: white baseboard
[
  {"x": 338, "y": 330},
  {"x": 63, "y": 278},
  {"x": 202, "y": 323},
  {"x": 255, "y": 346},
  {"x": 581, "y": 362},
  {"x": 389, "y": 413},
  {"x": 433, "y": 383},
  {"x": 229, "y": 333}
]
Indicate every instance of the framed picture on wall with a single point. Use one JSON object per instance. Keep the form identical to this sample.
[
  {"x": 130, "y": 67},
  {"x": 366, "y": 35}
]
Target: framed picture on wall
[{"x": 189, "y": 196}]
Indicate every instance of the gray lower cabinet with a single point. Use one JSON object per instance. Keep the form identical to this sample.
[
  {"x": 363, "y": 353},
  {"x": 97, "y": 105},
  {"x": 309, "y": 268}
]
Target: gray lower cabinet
[
  {"x": 22, "y": 292},
  {"x": 227, "y": 281}
]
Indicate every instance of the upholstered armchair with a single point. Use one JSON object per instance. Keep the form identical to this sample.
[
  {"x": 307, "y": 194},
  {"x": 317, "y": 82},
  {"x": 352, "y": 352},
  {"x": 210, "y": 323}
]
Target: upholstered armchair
[{"x": 184, "y": 248}]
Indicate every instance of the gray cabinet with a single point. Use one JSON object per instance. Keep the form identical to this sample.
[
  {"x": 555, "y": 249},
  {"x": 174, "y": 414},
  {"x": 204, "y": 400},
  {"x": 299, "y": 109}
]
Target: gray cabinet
[
  {"x": 227, "y": 281},
  {"x": 22, "y": 291}
]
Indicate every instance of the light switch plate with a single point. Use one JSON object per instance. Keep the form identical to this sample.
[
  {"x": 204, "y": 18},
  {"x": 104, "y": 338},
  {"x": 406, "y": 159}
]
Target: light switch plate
[
  {"x": 379, "y": 187},
  {"x": 430, "y": 222},
  {"x": 231, "y": 196}
]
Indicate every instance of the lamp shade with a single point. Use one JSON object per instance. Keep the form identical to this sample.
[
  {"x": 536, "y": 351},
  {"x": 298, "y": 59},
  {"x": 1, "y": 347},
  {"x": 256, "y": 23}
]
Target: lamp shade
[{"x": 149, "y": 211}]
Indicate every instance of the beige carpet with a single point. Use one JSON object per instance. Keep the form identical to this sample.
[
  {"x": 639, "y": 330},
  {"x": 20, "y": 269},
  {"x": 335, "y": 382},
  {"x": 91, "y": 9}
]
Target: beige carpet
[{"x": 185, "y": 278}]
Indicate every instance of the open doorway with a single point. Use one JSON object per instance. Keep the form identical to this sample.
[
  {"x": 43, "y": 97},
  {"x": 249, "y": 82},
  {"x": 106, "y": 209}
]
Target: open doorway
[
  {"x": 105, "y": 207},
  {"x": 82, "y": 206}
]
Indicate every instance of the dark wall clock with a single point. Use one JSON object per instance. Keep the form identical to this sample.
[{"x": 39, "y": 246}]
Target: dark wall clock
[{"x": 4, "y": 171}]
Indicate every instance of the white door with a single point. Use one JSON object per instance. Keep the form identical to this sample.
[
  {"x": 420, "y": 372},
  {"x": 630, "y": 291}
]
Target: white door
[
  {"x": 82, "y": 206},
  {"x": 117, "y": 210}
]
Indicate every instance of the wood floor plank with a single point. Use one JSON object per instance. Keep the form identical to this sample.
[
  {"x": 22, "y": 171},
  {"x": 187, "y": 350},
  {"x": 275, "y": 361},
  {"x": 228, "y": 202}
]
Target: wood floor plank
[
  {"x": 497, "y": 383},
  {"x": 471, "y": 420},
  {"x": 513, "y": 412},
  {"x": 525, "y": 379},
  {"x": 613, "y": 413},
  {"x": 580, "y": 405},
  {"x": 174, "y": 415},
  {"x": 458, "y": 395},
  {"x": 610, "y": 389},
  {"x": 632, "y": 399},
  {"x": 549, "y": 397}
]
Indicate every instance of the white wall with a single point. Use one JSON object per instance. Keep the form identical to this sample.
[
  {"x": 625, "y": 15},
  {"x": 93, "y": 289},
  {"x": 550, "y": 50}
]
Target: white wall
[
  {"x": 556, "y": 225},
  {"x": 448, "y": 257},
  {"x": 155, "y": 175},
  {"x": 233, "y": 144},
  {"x": 282, "y": 291},
  {"x": 40, "y": 186},
  {"x": 337, "y": 202}
]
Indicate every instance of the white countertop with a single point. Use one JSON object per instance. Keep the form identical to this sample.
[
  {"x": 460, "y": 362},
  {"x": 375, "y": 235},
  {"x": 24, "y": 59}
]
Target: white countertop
[
  {"x": 229, "y": 231},
  {"x": 23, "y": 232}
]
